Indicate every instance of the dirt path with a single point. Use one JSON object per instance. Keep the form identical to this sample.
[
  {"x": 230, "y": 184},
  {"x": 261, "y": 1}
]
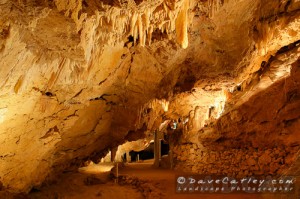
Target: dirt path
[
  {"x": 75, "y": 186},
  {"x": 165, "y": 179}
]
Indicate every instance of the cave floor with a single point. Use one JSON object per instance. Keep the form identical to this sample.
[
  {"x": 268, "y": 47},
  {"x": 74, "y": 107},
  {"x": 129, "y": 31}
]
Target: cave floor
[
  {"x": 165, "y": 178},
  {"x": 161, "y": 182},
  {"x": 72, "y": 186}
]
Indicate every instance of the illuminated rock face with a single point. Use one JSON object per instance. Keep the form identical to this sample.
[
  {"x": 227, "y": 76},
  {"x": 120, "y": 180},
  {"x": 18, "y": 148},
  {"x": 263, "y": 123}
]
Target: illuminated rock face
[
  {"x": 80, "y": 77},
  {"x": 260, "y": 137},
  {"x": 235, "y": 162}
]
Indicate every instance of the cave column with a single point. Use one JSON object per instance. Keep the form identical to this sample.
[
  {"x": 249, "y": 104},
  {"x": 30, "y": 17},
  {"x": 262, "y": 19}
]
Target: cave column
[{"x": 156, "y": 149}]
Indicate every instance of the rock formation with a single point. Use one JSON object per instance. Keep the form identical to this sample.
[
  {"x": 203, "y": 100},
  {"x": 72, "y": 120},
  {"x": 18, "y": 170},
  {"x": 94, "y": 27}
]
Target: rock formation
[{"x": 80, "y": 77}]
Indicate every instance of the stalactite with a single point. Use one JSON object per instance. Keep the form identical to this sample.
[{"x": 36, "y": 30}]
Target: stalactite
[
  {"x": 146, "y": 19},
  {"x": 162, "y": 27},
  {"x": 140, "y": 30},
  {"x": 133, "y": 22},
  {"x": 165, "y": 105},
  {"x": 140, "y": 22},
  {"x": 182, "y": 25},
  {"x": 101, "y": 19},
  {"x": 150, "y": 34}
]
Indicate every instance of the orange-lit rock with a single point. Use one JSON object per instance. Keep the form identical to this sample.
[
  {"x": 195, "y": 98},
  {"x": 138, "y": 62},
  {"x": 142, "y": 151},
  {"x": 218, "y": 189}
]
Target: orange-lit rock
[{"x": 79, "y": 78}]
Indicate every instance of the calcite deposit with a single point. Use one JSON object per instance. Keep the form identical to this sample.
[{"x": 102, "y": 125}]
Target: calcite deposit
[{"x": 81, "y": 77}]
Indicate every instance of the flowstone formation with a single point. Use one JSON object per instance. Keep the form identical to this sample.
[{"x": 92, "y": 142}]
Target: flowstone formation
[{"x": 80, "y": 77}]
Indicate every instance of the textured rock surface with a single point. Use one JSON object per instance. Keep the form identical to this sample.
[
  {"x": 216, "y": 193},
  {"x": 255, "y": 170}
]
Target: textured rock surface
[
  {"x": 79, "y": 77},
  {"x": 257, "y": 133},
  {"x": 240, "y": 163}
]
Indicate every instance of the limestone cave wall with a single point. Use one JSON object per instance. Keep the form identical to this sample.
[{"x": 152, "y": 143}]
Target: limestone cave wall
[{"x": 80, "y": 77}]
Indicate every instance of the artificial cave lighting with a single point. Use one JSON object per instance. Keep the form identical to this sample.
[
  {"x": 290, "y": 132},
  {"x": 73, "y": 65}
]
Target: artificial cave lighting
[{"x": 174, "y": 125}]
